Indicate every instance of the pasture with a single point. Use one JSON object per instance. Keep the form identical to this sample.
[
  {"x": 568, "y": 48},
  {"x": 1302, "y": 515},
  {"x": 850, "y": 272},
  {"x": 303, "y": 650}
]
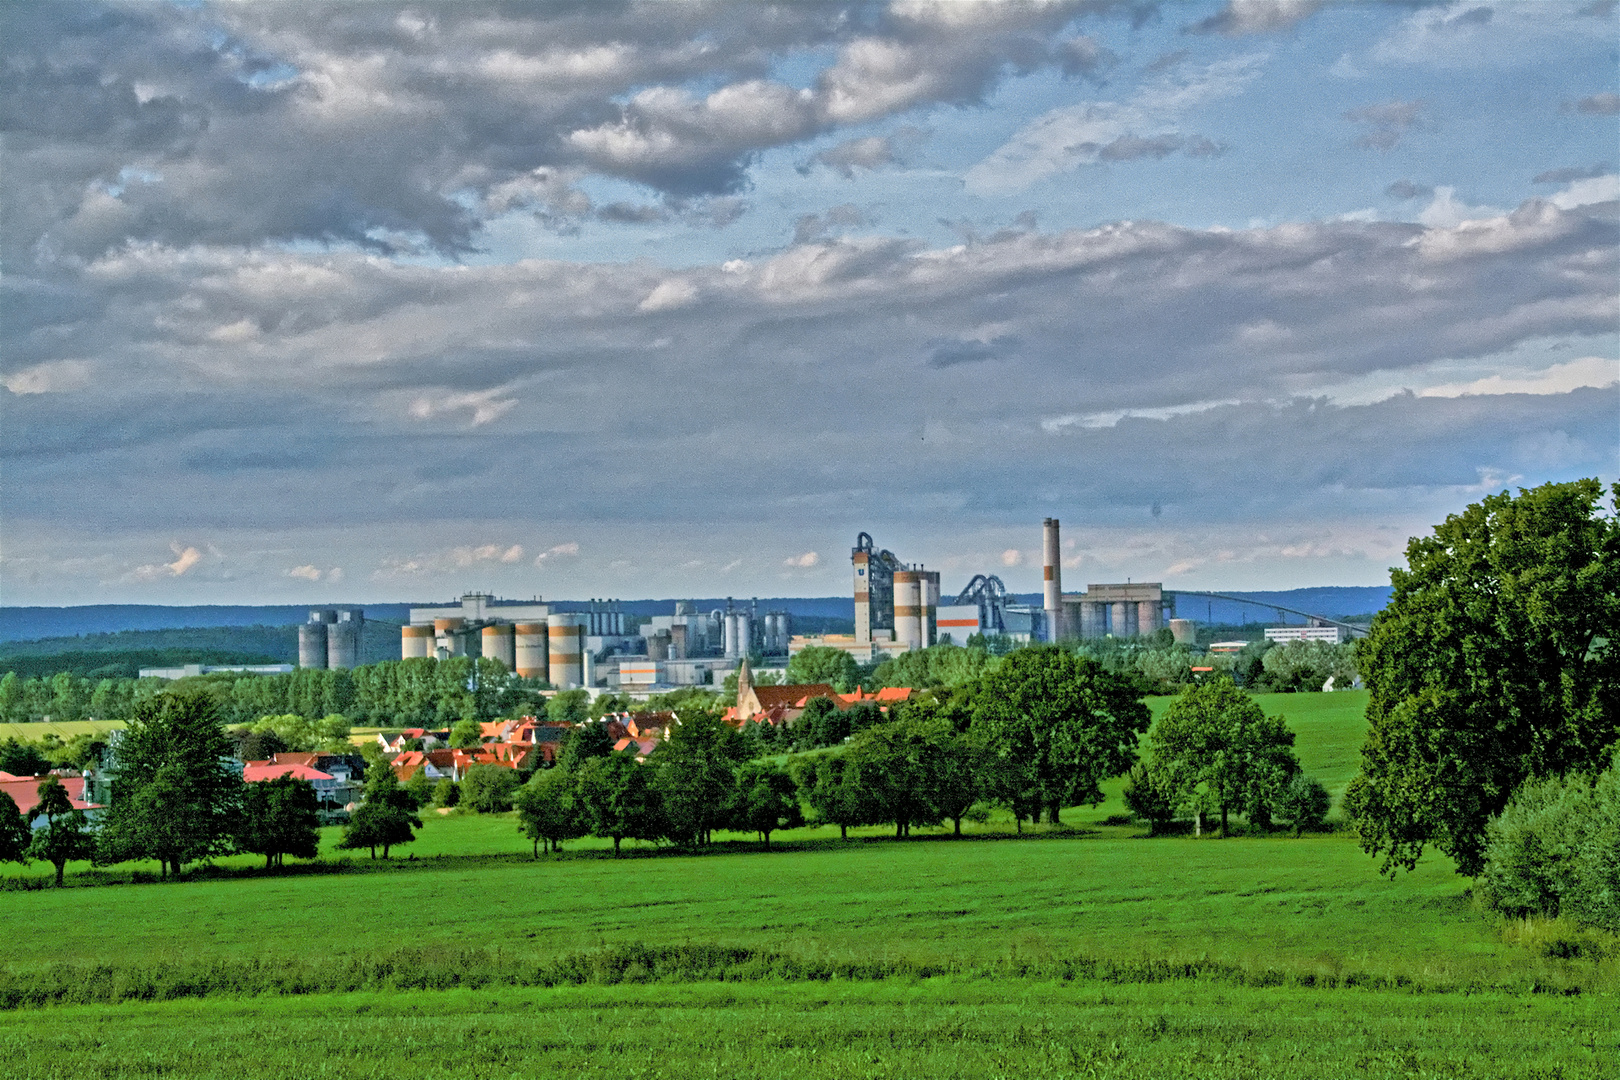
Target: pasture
[{"x": 1085, "y": 949}]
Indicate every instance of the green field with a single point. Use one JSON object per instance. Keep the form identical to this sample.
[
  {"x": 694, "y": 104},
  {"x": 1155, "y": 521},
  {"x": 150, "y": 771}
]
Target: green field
[
  {"x": 1086, "y": 950},
  {"x": 62, "y": 729}
]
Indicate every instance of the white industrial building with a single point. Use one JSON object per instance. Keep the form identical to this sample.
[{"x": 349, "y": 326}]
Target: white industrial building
[{"x": 1333, "y": 635}]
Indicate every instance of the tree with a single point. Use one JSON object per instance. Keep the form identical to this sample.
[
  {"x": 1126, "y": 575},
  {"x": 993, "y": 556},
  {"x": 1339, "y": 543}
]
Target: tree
[
  {"x": 252, "y": 745},
  {"x": 446, "y": 792},
  {"x": 695, "y": 773},
  {"x": 467, "y": 734},
  {"x": 175, "y": 790},
  {"x": 22, "y": 759},
  {"x": 618, "y": 800},
  {"x": 767, "y": 799},
  {"x": 834, "y": 792},
  {"x": 488, "y": 788},
  {"x": 387, "y": 816},
  {"x": 15, "y": 834},
  {"x": 1056, "y": 725},
  {"x": 280, "y": 817},
  {"x": 65, "y": 835},
  {"x": 547, "y": 809},
  {"x": 820, "y": 724},
  {"x": 1304, "y": 803},
  {"x": 585, "y": 741},
  {"x": 1496, "y": 661},
  {"x": 1217, "y": 737},
  {"x": 419, "y": 787},
  {"x": 898, "y": 764},
  {"x": 824, "y": 664},
  {"x": 569, "y": 707},
  {"x": 1147, "y": 795}
]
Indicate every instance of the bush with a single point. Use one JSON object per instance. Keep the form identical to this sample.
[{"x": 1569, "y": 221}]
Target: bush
[
  {"x": 1150, "y": 797},
  {"x": 1554, "y": 850},
  {"x": 488, "y": 789},
  {"x": 1304, "y": 803},
  {"x": 446, "y": 792}
]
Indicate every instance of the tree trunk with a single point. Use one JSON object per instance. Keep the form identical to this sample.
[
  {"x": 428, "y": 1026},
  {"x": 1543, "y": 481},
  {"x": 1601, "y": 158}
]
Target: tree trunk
[
  {"x": 269, "y": 862},
  {"x": 1052, "y": 815},
  {"x": 843, "y": 832},
  {"x": 385, "y": 850},
  {"x": 1198, "y": 823},
  {"x": 615, "y": 847},
  {"x": 958, "y": 826},
  {"x": 61, "y": 866},
  {"x": 1224, "y": 833},
  {"x": 898, "y": 830},
  {"x": 767, "y": 837},
  {"x": 537, "y": 849},
  {"x": 373, "y": 851}
]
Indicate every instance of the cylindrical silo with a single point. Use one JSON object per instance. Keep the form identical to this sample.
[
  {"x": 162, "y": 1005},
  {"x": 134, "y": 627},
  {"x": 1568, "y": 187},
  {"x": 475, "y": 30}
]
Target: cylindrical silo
[
  {"x": 312, "y": 645},
  {"x": 447, "y": 636},
  {"x": 1052, "y": 579},
  {"x": 1091, "y": 619},
  {"x": 745, "y": 634},
  {"x": 500, "y": 644},
  {"x": 1147, "y": 616},
  {"x": 729, "y": 621},
  {"x": 658, "y": 645},
  {"x": 415, "y": 642},
  {"x": 566, "y": 645},
  {"x": 908, "y": 631},
  {"x": 1124, "y": 619},
  {"x": 1185, "y": 631},
  {"x": 531, "y": 650},
  {"x": 343, "y": 640}
]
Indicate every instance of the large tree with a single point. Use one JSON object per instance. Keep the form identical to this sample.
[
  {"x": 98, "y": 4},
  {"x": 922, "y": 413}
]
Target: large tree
[
  {"x": 65, "y": 834},
  {"x": 824, "y": 664},
  {"x": 1057, "y": 725},
  {"x": 767, "y": 799},
  {"x": 695, "y": 771},
  {"x": 176, "y": 791},
  {"x": 547, "y": 810},
  {"x": 1215, "y": 741},
  {"x": 15, "y": 835},
  {"x": 280, "y": 817},
  {"x": 386, "y": 818},
  {"x": 1497, "y": 660},
  {"x": 618, "y": 800}
]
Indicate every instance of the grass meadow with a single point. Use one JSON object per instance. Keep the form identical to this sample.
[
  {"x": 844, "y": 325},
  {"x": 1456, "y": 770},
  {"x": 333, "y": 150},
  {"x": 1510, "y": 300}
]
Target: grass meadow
[{"x": 1084, "y": 950}]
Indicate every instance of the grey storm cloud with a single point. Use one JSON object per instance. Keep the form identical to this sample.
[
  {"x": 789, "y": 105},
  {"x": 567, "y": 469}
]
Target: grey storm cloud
[
  {"x": 367, "y": 124},
  {"x": 343, "y": 387},
  {"x": 1571, "y": 173}
]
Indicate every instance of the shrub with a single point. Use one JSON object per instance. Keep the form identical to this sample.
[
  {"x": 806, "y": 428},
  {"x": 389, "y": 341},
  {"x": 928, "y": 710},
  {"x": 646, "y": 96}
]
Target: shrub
[
  {"x": 488, "y": 789},
  {"x": 1304, "y": 803},
  {"x": 446, "y": 792}
]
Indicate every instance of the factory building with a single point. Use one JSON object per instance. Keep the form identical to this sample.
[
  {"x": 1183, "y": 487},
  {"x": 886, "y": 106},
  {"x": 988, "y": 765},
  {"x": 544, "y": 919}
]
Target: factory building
[
  {"x": 896, "y": 607},
  {"x": 331, "y": 638},
  {"x": 1129, "y": 610},
  {"x": 1333, "y": 635}
]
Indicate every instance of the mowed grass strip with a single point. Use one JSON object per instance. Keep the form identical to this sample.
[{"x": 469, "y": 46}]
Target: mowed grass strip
[{"x": 935, "y": 1027}]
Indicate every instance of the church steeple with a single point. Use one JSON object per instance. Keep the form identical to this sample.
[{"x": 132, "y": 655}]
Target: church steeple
[{"x": 745, "y": 682}]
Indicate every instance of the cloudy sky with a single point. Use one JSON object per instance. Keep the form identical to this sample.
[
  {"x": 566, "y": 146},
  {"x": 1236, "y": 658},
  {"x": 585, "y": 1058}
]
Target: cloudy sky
[{"x": 373, "y": 302}]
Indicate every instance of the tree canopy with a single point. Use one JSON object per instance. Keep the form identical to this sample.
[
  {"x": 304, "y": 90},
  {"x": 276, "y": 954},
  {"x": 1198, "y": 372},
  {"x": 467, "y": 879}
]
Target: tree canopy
[
  {"x": 386, "y": 818},
  {"x": 280, "y": 817},
  {"x": 65, "y": 835},
  {"x": 1054, "y": 726},
  {"x": 824, "y": 664},
  {"x": 176, "y": 790},
  {"x": 1496, "y": 661},
  {"x": 1215, "y": 743}
]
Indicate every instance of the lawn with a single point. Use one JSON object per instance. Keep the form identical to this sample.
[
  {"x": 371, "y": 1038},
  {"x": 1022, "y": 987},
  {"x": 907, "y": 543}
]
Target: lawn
[
  {"x": 1079, "y": 950},
  {"x": 62, "y": 729}
]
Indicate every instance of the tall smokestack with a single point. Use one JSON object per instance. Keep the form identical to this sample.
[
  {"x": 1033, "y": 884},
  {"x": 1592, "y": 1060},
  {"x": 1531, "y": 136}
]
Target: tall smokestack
[{"x": 1052, "y": 575}]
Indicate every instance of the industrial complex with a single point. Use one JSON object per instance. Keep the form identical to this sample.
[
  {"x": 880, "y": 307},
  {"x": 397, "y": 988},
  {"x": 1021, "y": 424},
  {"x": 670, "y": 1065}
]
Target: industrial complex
[{"x": 897, "y": 607}]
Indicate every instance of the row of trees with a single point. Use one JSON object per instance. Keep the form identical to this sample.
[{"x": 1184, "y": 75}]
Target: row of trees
[{"x": 406, "y": 693}]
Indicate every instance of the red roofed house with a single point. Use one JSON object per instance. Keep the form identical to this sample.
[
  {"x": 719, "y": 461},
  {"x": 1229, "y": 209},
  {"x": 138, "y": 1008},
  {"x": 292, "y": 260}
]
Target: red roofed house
[
  {"x": 24, "y": 791},
  {"x": 329, "y": 789}
]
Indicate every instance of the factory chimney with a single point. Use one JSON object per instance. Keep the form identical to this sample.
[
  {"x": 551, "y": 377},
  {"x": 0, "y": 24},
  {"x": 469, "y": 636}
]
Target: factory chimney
[{"x": 1052, "y": 575}]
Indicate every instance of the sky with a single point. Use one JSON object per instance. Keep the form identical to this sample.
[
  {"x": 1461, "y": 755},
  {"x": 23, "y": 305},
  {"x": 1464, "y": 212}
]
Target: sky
[{"x": 360, "y": 302}]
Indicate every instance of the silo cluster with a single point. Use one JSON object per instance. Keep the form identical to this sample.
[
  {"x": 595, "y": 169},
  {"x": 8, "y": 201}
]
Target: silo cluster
[
  {"x": 330, "y": 639},
  {"x": 739, "y": 633},
  {"x": 778, "y": 631},
  {"x": 604, "y": 619}
]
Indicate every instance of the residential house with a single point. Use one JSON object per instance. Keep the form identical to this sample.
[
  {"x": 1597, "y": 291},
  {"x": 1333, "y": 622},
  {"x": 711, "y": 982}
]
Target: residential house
[{"x": 24, "y": 791}]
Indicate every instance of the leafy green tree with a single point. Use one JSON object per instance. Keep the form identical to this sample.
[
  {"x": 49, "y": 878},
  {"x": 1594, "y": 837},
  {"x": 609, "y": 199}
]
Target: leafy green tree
[
  {"x": 1304, "y": 803},
  {"x": 446, "y": 792},
  {"x": 548, "y": 811},
  {"x": 385, "y": 819},
  {"x": 824, "y": 664},
  {"x": 466, "y": 735},
  {"x": 834, "y": 792},
  {"x": 22, "y": 759},
  {"x": 569, "y": 707},
  {"x": 1496, "y": 661},
  {"x": 65, "y": 835},
  {"x": 898, "y": 765},
  {"x": 15, "y": 834},
  {"x": 1148, "y": 796},
  {"x": 176, "y": 790},
  {"x": 618, "y": 800},
  {"x": 1217, "y": 737},
  {"x": 767, "y": 799},
  {"x": 1306, "y": 666},
  {"x": 819, "y": 724},
  {"x": 584, "y": 742},
  {"x": 280, "y": 817},
  {"x": 254, "y": 745},
  {"x": 11, "y": 700},
  {"x": 695, "y": 774},
  {"x": 420, "y": 788},
  {"x": 1058, "y": 725},
  {"x": 488, "y": 788}
]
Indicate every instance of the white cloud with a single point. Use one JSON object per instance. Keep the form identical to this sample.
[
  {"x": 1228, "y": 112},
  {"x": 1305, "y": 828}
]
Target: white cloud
[
  {"x": 1012, "y": 557},
  {"x": 1447, "y": 211},
  {"x": 559, "y": 552},
  {"x": 802, "y": 562},
  {"x": 1595, "y": 371},
  {"x": 307, "y": 572},
  {"x": 1595, "y": 189},
  {"x": 52, "y": 377},
  {"x": 185, "y": 559}
]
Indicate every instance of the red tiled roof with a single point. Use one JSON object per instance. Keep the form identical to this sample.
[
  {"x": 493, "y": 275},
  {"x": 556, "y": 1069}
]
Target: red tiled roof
[
  {"x": 792, "y": 695},
  {"x": 255, "y": 773},
  {"x": 24, "y": 791}
]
